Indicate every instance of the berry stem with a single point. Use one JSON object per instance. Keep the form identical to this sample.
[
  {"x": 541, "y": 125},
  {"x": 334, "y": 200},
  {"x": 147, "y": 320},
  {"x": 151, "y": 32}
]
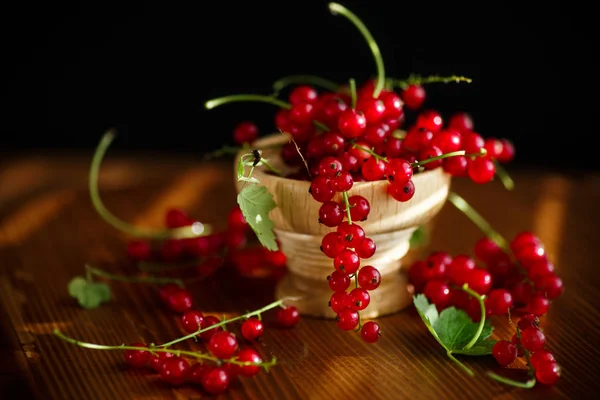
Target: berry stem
[
  {"x": 353, "y": 92},
  {"x": 504, "y": 177},
  {"x": 291, "y": 138},
  {"x": 278, "y": 303},
  {"x": 523, "y": 385},
  {"x": 195, "y": 230},
  {"x": 480, "y": 299},
  {"x": 234, "y": 98},
  {"x": 152, "y": 350},
  {"x": 371, "y": 152},
  {"x": 417, "y": 164},
  {"x": 420, "y": 80},
  {"x": 336, "y": 8},
  {"x": 132, "y": 279},
  {"x": 478, "y": 220},
  {"x": 347, "y": 203},
  {"x": 314, "y": 80},
  {"x": 527, "y": 354},
  {"x": 270, "y": 167},
  {"x": 463, "y": 366}
]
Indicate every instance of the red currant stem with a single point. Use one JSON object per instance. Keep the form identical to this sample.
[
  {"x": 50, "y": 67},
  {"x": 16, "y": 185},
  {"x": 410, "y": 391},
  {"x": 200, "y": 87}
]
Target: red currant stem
[
  {"x": 399, "y": 134},
  {"x": 463, "y": 366},
  {"x": 132, "y": 279},
  {"x": 313, "y": 80},
  {"x": 353, "y": 92},
  {"x": 321, "y": 126},
  {"x": 291, "y": 138},
  {"x": 417, "y": 164},
  {"x": 336, "y": 8},
  {"x": 523, "y": 385},
  {"x": 527, "y": 354},
  {"x": 504, "y": 177},
  {"x": 278, "y": 303},
  {"x": 371, "y": 152},
  {"x": 192, "y": 354},
  {"x": 478, "y": 220},
  {"x": 480, "y": 299},
  {"x": 419, "y": 80},
  {"x": 347, "y": 203},
  {"x": 195, "y": 230},
  {"x": 270, "y": 167}
]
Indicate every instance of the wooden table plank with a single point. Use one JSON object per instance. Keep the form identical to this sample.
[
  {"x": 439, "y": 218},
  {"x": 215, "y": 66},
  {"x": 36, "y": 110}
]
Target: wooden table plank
[{"x": 48, "y": 230}]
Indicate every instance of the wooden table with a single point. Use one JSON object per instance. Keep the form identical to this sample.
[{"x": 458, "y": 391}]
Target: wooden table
[{"x": 49, "y": 230}]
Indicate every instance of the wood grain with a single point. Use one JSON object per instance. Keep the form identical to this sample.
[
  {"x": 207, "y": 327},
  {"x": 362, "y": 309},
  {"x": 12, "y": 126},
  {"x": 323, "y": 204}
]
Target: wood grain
[{"x": 48, "y": 230}]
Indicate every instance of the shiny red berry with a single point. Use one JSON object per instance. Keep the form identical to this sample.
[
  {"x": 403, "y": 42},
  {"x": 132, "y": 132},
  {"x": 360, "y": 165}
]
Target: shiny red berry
[
  {"x": 369, "y": 277},
  {"x": 352, "y": 123},
  {"x": 191, "y": 320},
  {"x": 180, "y": 301},
  {"x": 504, "y": 352},
  {"x": 413, "y": 96},
  {"x": 370, "y": 332},
  {"x": 137, "y": 358},
  {"x": 252, "y": 328},
  {"x": 288, "y": 317},
  {"x": 245, "y": 132},
  {"x": 338, "y": 281},
  {"x": 223, "y": 345},
  {"x": 248, "y": 355},
  {"x": 174, "y": 370},
  {"x": 216, "y": 380}
]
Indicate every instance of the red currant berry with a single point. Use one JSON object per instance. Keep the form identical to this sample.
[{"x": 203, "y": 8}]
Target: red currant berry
[
  {"x": 480, "y": 280},
  {"x": 538, "y": 305},
  {"x": 459, "y": 269},
  {"x": 180, "y": 301},
  {"x": 342, "y": 182},
  {"x": 521, "y": 292},
  {"x": 393, "y": 147},
  {"x": 223, "y": 345},
  {"x": 456, "y": 166},
  {"x": 331, "y": 110},
  {"x": 413, "y": 96},
  {"x": 331, "y": 244},
  {"x": 547, "y": 372},
  {"x": 359, "y": 299},
  {"x": 517, "y": 342},
  {"x": 282, "y": 120},
  {"x": 472, "y": 142},
  {"x": 430, "y": 152},
  {"x": 303, "y": 94},
  {"x": 245, "y": 132},
  {"x": 359, "y": 150},
  {"x": 533, "y": 339},
  {"x": 197, "y": 371},
  {"x": 156, "y": 361},
  {"x": 191, "y": 321},
  {"x": 331, "y": 214},
  {"x": 338, "y": 281},
  {"x": 498, "y": 302},
  {"x": 398, "y": 171},
  {"x": 539, "y": 270},
  {"x": 461, "y": 121},
  {"x": 333, "y": 144},
  {"x": 321, "y": 189},
  {"x": 347, "y": 319},
  {"x": 551, "y": 286},
  {"x": 136, "y": 358},
  {"x": 440, "y": 257},
  {"x": 209, "y": 321},
  {"x": 236, "y": 220},
  {"x": 369, "y": 277},
  {"x": 339, "y": 300},
  {"x": 448, "y": 140},
  {"x": 523, "y": 239},
  {"x": 375, "y": 135},
  {"x": 352, "y": 234},
  {"x": 393, "y": 106},
  {"x": 252, "y": 328},
  {"x": 139, "y": 250},
  {"x": 350, "y": 162},
  {"x": 329, "y": 166},
  {"x": 504, "y": 352},
  {"x": 174, "y": 370},
  {"x": 347, "y": 261},
  {"x": 438, "y": 293},
  {"x": 528, "y": 321},
  {"x": 177, "y": 218},
  {"x": 359, "y": 208},
  {"x": 508, "y": 151},
  {"x": 487, "y": 250},
  {"x": 493, "y": 147},
  {"x": 402, "y": 193},
  {"x": 430, "y": 119},
  {"x": 366, "y": 248},
  {"x": 481, "y": 169},
  {"x": 530, "y": 254},
  {"x": 352, "y": 123},
  {"x": 373, "y": 109},
  {"x": 302, "y": 114},
  {"x": 540, "y": 356},
  {"x": 248, "y": 355},
  {"x": 288, "y": 317},
  {"x": 216, "y": 380},
  {"x": 370, "y": 332}
]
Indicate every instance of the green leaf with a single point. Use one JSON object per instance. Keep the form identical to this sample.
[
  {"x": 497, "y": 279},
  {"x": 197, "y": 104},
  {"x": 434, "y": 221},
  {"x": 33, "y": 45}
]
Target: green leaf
[
  {"x": 419, "y": 237},
  {"x": 481, "y": 348},
  {"x": 456, "y": 329},
  {"x": 250, "y": 179},
  {"x": 256, "y": 203},
  {"x": 102, "y": 290},
  {"x": 76, "y": 286},
  {"x": 428, "y": 313},
  {"x": 240, "y": 168}
]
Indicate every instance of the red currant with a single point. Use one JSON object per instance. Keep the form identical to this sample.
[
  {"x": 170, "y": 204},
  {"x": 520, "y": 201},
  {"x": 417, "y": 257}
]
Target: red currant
[
  {"x": 456, "y": 166},
  {"x": 481, "y": 169},
  {"x": 352, "y": 123},
  {"x": 136, "y": 358},
  {"x": 413, "y": 96},
  {"x": 402, "y": 193},
  {"x": 236, "y": 220},
  {"x": 538, "y": 305},
  {"x": 248, "y": 355},
  {"x": 448, "y": 141},
  {"x": 359, "y": 208},
  {"x": 191, "y": 320},
  {"x": 370, "y": 332},
  {"x": 303, "y": 94},
  {"x": 302, "y": 114},
  {"x": 461, "y": 121},
  {"x": 342, "y": 182},
  {"x": 245, "y": 132},
  {"x": 498, "y": 302},
  {"x": 359, "y": 299},
  {"x": 539, "y": 357},
  {"x": 528, "y": 321},
  {"x": 252, "y": 328},
  {"x": 329, "y": 166},
  {"x": 209, "y": 321},
  {"x": 347, "y": 261},
  {"x": 351, "y": 234},
  {"x": 223, "y": 345},
  {"x": 174, "y": 370},
  {"x": 504, "y": 352},
  {"x": 339, "y": 300},
  {"x": 523, "y": 239},
  {"x": 369, "y": 277},
  {"x": 331, "y": 244},
  {"x": 373, "y": 169},
  {"x": 347, "y": 319},
  {"x": 508, "y": 151},
  {"x": 139, "y": 250},
  {"x": 430, "y": 152},
  {"x": 398, "y": 171},
  {"x": 331, "y": 214},
  {"x": 480, "y": 280},
  {"x": 338, "y": 281},
  {"x": 551, "y": 286},
  {"x": 180, "y": 301},
  {"x": 375, "y": 135},
  {"x": 333, "y": 144},
  {"x": 547, "y": 372},
  {"x": 216, "y": 380},
  {"x": 366, "y": 248},
  {"x": 156, "y": 361},
  {"x": 177, "y": 218},
  {"x": 373, "y": 109},
  {"x": 431, "y": 120},
  {"x": 288, "y": 317},
  {"x": 533, "y": 339},
  {"x": 393, "y": 106},
  {"x": 472, "y": 142},
  {"x": 438, "y": 293}
]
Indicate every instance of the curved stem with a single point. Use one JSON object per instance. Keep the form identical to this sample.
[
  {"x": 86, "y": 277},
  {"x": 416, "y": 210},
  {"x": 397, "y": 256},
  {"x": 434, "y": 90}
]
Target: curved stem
[
  {"x": 347, "y": 203},
  {"x": 132, "y": 279},
  {"x": 270, "y": 167},
  {"x": 463, "y": 366},
  {"x": 235, "y": 98},
  {"x": 478, "y": 220},
  {"x": 353, "y": 92},
  {"x": 371, "y": 152},
  {"x": 313, "y": 80},
  {"x": 321, "y": 126},
  {"x": 291, "y": 138},
  {"x": 523, "y": 385},
  {"x": 504, "y": 177},
  {"x": 278, "y": 303},
  {"x": 195, "y": 230},
  {"x": 419, "y": 80},
  {"x": 477, "y": 334},
  {"x": 446, "y": 155},
  {"x": 336, "y": 8},
  {"x": 192, "y": 354}
]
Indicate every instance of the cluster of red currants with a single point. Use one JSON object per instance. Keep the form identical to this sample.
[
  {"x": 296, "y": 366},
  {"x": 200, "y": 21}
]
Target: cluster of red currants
[{"x": 529, "y": 341}]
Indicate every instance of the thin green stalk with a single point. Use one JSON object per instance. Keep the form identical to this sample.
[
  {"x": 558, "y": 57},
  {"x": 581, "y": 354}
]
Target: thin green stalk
[
  {"x": 353, "y": 92},
  {"x": 478, "y": 220},
  {"x": 417, "y": 164},
  {"x": 347, "y": 203},
  {"x": 480, "y": 299},
  {"x": 504, "y": 177},
  {"x": 195, "y": 230},
  {"x": 313, "y": 80},
  {"x": 523, "y": 385},
  {"x": 270, "y": 167},
  {"x": 336, "y": 8},
  {"x": 132, "y": 279},
  {"x": 278, "y": 303},
  {"x": 371, "y": 152},
  {"x": 419, "y": 80},
  {"x": 463, "y": 366},
  {"x": 234, "y": 98}
]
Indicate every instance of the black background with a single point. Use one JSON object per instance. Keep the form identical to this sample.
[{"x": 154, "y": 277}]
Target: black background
[{"x": 76, "y": 68}]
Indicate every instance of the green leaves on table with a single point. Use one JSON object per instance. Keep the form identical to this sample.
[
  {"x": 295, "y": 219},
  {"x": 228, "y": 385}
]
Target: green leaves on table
[
  {"x": 89, "y": 294},
  {"x": 454, "y": 330}
]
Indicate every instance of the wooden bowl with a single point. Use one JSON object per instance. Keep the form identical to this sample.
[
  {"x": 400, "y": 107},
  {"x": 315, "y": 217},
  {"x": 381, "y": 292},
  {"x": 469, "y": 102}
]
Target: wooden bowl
[{"x": 390, "y": 224}]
